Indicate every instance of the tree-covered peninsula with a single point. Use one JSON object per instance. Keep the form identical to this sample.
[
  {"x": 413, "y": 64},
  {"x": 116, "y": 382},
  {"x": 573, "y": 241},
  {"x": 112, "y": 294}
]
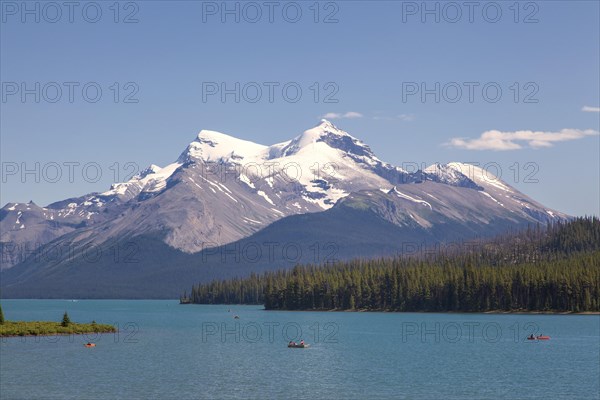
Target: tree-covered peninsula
[{"x": 551, "y": 269}]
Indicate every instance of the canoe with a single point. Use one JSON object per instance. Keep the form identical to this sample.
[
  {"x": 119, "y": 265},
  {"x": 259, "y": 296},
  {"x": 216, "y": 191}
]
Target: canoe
[
  {"x": 90, "y": 345},
  {"x": 539, "y": 338},
  {"x": 298, "y": 346}
]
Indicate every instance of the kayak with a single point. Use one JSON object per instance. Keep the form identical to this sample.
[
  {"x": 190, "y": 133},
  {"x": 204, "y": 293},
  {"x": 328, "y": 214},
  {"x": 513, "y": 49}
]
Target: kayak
[
  {"x": 90, "y": 345},
  {"x": 539, "y": 338},
  {"x": 298, "y": 346}
]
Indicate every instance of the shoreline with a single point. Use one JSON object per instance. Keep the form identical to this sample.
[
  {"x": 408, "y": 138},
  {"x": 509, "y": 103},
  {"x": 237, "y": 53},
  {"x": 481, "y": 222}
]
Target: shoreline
[
  {"x": 515, "y": 312},
  {"x": 455, "y": 312},
  {"x": 545, "y": 312}
]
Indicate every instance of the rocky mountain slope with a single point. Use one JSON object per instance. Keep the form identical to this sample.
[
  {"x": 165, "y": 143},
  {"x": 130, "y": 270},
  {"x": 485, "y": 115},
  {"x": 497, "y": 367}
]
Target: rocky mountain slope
[{"x": 222, "y": 190}]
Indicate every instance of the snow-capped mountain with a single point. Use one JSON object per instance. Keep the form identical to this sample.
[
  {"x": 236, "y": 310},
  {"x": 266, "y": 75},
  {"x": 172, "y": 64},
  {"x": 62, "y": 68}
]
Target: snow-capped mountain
[{"x": 222, "y": 189}]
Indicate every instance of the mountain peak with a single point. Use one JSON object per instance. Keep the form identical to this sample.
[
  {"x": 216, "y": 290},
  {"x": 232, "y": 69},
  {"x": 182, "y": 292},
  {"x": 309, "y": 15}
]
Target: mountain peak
[
  {"x": 467, "y": 175},
  {"x": 452, "y": 175},
  {"x": 213, "y": 146},
  {"x": 326, "y": 124},
  {"x": 216, "y": 146},
  {"x": 484, "y": 177},
  {"x": 327, "y": 127},
  {"x": 152, "y": 169},
  {"x": 326, "y": 133}
]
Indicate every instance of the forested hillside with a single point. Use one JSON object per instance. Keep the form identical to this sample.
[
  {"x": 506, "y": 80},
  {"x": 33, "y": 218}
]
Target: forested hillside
[{"x": 556, "y": 268}]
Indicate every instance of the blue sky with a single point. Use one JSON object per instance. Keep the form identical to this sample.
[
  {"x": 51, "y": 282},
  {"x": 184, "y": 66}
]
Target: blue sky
[{"x": 371, "y": 57}]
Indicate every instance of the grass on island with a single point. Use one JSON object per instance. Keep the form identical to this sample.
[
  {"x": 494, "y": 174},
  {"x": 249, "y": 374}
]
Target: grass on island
[
  {"x": 46, "y": 328},
  {"x": 39, "y": 328}
]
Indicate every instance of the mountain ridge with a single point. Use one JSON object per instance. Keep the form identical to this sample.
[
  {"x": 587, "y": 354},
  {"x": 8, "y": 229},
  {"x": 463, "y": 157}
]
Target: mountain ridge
[{"x": 222, "y": 189}]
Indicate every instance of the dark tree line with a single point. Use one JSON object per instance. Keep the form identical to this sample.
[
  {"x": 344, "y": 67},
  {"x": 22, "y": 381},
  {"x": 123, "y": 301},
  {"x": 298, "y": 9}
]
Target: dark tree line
[{"x": 556, "y": 268}]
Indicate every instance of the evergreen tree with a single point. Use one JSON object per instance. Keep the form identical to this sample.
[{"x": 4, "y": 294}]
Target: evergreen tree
[
  {"x": 66, "y": 320},
  {"x": 1, "y": 316}
]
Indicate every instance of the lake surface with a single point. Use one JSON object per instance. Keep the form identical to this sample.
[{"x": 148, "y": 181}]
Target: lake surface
[{"x": 171, "y": 351}]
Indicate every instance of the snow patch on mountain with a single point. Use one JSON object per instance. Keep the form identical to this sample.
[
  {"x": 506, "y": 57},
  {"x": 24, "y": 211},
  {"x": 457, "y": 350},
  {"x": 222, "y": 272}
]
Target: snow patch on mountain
[
  {"x": 151, "y": 180},
  {"x": 492, "y": 198},
  {"x": 480, "y": 176},
  {"x": 407, "y": 197},
  {"x": 247, "y": 181},
  {"x": 264, "y": 196}
]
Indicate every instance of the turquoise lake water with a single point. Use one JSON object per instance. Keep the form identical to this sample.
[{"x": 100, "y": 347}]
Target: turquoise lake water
[{"x": 170, "y": 351}]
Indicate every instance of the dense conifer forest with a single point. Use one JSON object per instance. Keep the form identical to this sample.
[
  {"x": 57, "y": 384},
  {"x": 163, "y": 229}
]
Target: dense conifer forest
[{"x": 554, "y": 268}]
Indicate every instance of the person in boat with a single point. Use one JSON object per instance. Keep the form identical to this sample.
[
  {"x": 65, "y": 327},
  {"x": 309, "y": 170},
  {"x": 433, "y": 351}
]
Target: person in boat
[
  {"x": 531, "y": 336},
  {"x": 302, "y": 342}
]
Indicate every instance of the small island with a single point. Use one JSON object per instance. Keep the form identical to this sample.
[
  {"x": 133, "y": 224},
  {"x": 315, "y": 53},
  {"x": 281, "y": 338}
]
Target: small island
[{"x": 49, "y": 328}]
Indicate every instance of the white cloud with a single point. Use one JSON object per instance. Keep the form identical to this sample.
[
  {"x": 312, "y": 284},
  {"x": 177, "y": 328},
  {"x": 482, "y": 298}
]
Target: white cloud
[
  {"x": 406, "y": 117},
  {"x": 353, "y": 114},
  {"x": 348, "y": 115},
  {"x": 497, "y": 140},
  {"x": 590, "y": 109},
  {"x": 401, "y": 117}
]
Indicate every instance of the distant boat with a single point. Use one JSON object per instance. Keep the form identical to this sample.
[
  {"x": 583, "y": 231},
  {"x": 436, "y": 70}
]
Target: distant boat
[
  {"x": 538, "y": 337},
  {"x": 298, "y": 346},
  {"x": 90, "y": 345}
]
